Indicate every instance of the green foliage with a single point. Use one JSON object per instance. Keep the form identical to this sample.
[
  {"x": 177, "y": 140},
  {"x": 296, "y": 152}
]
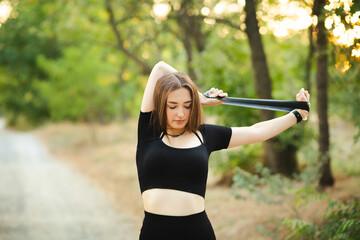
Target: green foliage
[
  {"x": 273, "y": 188},
  {"x": 21, "y": 40},
  {"x": 81, "y": 85},
  {"x": 245, "y": 157},
  {"x": 262, "y": 185},
  {"x": 342, "y": 52},
  {"x": 300, "y": 229},
  {"x": 231, "y": 72},
  {"x": 341, "y": 221},
  {"x": 56, "y": 64},
  {"x": 346, "y": 98}
]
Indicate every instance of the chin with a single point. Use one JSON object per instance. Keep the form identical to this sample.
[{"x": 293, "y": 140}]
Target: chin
[{"x": 177, "y": 126}]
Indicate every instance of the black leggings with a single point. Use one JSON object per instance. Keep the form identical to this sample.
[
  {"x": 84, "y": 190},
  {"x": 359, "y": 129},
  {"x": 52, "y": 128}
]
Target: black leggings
[{"x": 192, "y": 227}]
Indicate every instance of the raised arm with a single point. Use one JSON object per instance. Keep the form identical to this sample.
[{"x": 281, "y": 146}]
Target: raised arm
[
  {"x": 265, "y": 130},
  {"x": 160, "y": 69}
]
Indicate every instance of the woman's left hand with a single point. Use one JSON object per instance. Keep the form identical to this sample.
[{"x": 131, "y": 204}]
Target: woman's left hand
[
  {"x": 303, "y": 95},
  {"x": 212, "y": 101}
]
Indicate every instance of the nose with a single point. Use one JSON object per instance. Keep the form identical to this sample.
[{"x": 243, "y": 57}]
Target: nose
[{"x": 180, "y": 112}]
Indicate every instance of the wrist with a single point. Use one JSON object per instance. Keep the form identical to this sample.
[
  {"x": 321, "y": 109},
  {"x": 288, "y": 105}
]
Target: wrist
[
  {"x": 202, "y": 99},
  {"x": 297, "y": 114},
  {"x": 304, "y": 114}
]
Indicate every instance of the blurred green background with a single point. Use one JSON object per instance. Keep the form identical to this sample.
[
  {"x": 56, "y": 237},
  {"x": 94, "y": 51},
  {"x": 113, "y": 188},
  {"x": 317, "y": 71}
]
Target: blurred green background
[{"x": 88, "y": 61}]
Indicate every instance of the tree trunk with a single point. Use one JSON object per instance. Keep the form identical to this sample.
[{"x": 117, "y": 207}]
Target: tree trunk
[
  {"x": 278, "y": 161},
  {"x": 189, "y": 54},
  {"x": 191, "y": 35},
  {"x": 309, "y": 59},
  {"x": 326, "y": 178}
]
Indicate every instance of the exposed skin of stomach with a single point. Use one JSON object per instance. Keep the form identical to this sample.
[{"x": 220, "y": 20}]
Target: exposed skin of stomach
[{"x": 172, "y": 202}]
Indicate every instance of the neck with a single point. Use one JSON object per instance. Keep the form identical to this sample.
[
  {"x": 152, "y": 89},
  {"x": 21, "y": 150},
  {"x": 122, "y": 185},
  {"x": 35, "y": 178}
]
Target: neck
[{"x": 175, "y": 132}]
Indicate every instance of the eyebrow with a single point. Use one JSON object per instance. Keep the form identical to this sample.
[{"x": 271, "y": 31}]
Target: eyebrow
[{"x": 177, "y": 102}]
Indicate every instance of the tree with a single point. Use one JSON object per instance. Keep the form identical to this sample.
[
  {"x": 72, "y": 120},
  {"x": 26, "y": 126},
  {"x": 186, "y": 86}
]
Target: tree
[
  {"x": 326, "y": 178},
  {"x": 191, "y": 33},
  {"x": 81, "y": 85},
  {"x": 120, "y": 41},
  {"x": 278, "y": 161},
  {"x": 185, "y": 27},
  {"x": 22, "y": 39}
]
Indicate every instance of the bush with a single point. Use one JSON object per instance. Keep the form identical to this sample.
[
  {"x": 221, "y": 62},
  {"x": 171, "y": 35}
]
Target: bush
[{"x": 341, "y": 221}]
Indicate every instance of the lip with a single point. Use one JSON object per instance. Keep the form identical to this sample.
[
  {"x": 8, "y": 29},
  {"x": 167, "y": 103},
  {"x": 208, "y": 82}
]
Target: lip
[{"x": 179, "y": 122}]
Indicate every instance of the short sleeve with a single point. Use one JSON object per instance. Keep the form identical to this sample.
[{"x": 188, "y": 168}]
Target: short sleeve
[
  {"x": 216, "y": 137},
  {"x": 145, "y": 130}
]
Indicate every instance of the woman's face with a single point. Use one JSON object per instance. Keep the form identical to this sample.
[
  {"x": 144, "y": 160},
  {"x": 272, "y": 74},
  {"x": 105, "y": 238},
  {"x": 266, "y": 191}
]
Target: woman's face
[{"x": 178, "y": 108}]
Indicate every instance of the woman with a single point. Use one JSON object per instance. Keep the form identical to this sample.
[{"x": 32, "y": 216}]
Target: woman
[{"x": 173, "y": 151}]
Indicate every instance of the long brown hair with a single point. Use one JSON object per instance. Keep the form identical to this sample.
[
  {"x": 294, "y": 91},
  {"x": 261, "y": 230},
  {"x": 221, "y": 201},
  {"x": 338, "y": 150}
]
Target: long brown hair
[{"x": 163, "y": 87}]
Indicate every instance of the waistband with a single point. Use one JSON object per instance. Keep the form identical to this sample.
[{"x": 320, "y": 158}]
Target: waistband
[{"x": 159, "y": 217}]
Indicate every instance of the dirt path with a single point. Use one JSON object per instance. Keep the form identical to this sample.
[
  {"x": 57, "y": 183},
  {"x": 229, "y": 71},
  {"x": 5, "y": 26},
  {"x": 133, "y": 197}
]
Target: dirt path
[{"x": 41, "y": 199}]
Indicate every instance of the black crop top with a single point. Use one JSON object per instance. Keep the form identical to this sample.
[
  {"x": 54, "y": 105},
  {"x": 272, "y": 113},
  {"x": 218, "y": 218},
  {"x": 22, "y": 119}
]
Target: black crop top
[{"x": 184, "y": 169}]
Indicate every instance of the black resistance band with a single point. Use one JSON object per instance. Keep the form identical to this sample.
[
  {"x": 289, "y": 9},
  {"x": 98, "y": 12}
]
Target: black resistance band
[{"x": 266, "y": 104}]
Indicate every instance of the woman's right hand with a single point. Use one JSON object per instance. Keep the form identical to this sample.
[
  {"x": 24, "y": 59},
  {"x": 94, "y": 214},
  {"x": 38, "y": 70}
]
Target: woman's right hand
[
  {"x": 303, "y": 95},
  {"x": 212, "y": 100}
]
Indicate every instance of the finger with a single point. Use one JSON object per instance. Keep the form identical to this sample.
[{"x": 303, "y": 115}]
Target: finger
[
  {"x": 223, "y": 94},
  {"x": 306, "y": 92},
  {"x": 302, "y": 97},
  {"x": 215, "y": 92}
]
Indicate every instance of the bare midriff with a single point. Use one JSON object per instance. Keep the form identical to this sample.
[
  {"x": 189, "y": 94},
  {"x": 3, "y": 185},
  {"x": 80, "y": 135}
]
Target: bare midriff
[{"x": 172, "y": 202}]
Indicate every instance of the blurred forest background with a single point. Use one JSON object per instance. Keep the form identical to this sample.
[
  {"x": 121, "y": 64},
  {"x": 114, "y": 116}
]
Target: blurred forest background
[{"x": 87, "y": 61}]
